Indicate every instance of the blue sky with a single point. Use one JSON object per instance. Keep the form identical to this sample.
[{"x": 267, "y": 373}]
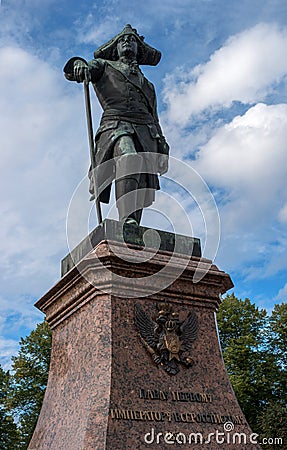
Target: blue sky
[{"x": 222, "y": 100}]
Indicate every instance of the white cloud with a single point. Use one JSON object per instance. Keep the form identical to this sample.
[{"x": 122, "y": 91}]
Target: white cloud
[
  {"x": 98, "y": 33},
  {"x": 245, "y": 69},
  {"x": 8, "y": 347},
  {"x": 247, "y": 156},
  {"x": 44, "y": 153},
  {"x": 282, "y": 294},
  {"x": 246, "y": 162},
  {"x": 282, "y": 215},
  {"x": 18, "y": 18}
]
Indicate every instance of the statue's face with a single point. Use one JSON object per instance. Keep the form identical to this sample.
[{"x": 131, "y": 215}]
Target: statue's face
[{"x": 127, "y": 46}]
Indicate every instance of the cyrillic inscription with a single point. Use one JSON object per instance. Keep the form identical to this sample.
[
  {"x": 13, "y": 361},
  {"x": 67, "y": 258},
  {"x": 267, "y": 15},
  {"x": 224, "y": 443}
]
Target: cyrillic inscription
[
  {"x": 176, "y": 396},
  {"x": 161, "y": 416}
]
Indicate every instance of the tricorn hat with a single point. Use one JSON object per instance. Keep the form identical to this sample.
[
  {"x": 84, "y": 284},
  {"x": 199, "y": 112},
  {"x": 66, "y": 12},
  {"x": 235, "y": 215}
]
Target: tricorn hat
[{"x": 146, "y": 54}]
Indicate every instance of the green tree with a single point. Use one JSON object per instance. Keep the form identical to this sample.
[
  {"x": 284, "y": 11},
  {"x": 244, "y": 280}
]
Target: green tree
[
  {"x": 273, "y": 423},
  {"x": 29, "y": 379},
  {"x": 252, "y": 368},
  {"x": 9, "y": 436},
  {"x": 278, "y": 334},
  {"x": 273, "y": 419}
]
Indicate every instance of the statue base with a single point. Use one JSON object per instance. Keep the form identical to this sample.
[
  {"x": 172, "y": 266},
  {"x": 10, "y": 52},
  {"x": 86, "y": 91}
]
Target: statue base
[{"x": 136, "y": 361}]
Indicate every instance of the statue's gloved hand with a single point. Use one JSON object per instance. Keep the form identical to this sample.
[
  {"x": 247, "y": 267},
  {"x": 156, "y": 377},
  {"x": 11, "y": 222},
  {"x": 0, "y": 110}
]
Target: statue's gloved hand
[{"x": 81, "y": 71}]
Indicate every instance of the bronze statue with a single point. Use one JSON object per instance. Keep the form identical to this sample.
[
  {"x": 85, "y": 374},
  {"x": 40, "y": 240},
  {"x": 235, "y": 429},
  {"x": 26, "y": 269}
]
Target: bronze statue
[{"x": 129, "y": 136}]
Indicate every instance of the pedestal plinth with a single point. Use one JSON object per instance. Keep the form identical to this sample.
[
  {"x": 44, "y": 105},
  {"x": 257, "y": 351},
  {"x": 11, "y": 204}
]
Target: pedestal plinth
[{"x": 136, "y": 362}]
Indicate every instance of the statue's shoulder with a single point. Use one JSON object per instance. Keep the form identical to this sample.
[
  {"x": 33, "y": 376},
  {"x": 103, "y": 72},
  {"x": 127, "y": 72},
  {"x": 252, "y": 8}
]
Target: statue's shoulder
[
  {"x": 114, "y": 64},
  {"x": 97, "y": 62},
  {"x": 97, "y": 67}
]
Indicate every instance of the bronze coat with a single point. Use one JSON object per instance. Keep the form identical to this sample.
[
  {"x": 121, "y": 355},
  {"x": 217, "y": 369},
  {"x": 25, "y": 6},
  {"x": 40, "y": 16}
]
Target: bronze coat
[{"x": 129, "y": 108}]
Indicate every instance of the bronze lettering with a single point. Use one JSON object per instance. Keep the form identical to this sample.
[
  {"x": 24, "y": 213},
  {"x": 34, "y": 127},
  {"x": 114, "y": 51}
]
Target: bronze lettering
[
  {"x": 185, "y": 417},
  {"x": 156, "y": 395},
  {"x": 150, "y": 394},
  {"x": 199, "y": 397},
  {"x": 202, "y": 418},
  {"x": 173, "y": 394},
  {"x": 153, "y": 394},
  {"x": 193, "y": 417},
  {"x": 190, "y": 417},
  {"x": 163, "y": 395},
  {"x": 142, "y": 393},
  {"x": 208, "y": 418},
  {"x": 176, "y": 417},
  {"x": 169, "y": 416},
  {"x": 218, "y": 419},
  {"x": 182, "y": 397},
  {"x": 121, "y": 414},
  {"x": 147, "y": 415},
  {"x": 158, "y": 416},
  {"x": 137, "y": 415},
  {"x": 212, "y": 416},
  {"x": 113, "y": 415}
]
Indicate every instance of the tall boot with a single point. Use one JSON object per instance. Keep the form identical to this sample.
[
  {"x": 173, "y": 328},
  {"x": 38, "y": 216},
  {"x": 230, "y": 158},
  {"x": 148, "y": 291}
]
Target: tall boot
[
  {"x": 128, "y": 172},
  {"x": 126, "y": 196}
]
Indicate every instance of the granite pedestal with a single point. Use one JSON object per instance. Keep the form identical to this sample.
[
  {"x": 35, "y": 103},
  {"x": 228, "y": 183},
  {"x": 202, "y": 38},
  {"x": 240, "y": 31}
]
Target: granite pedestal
[{"x": 108, "y": 388}]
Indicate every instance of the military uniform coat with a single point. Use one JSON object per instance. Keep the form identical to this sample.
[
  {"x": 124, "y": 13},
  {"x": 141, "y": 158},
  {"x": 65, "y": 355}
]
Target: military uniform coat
[{"x": 129, "y": 108}]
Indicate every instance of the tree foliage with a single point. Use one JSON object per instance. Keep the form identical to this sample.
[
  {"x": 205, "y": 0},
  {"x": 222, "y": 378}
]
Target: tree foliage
[
  {"x": 273, "y": 424},
  {"x": 9, "y": 436},
  {"x": 254, "y": 351},
  {"x": 29, "y": 379},
  {"x": 278, "y": 340}
]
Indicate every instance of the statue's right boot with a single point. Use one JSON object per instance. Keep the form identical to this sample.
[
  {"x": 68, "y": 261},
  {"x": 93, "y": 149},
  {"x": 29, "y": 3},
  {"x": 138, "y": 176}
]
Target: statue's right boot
[
  {"x": 126, "y": 196},
  {"x": 128, "y": 172}
]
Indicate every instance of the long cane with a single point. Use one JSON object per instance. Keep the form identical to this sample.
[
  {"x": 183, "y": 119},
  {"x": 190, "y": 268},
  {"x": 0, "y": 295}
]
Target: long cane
[{"x": 91, "y": 145}]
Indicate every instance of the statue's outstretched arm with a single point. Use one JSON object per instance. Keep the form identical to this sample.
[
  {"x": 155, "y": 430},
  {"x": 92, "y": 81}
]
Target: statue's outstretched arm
[{"x": 78, "y": 69}]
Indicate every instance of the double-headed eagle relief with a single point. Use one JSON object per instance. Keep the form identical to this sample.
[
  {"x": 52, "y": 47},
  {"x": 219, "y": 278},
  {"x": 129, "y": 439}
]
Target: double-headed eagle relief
[{"x": 167, "y": 339}]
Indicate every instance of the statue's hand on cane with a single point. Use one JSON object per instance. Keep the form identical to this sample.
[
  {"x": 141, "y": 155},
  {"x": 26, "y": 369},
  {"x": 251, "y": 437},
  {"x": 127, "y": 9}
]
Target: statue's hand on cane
[{"x": 81, "y": 71}]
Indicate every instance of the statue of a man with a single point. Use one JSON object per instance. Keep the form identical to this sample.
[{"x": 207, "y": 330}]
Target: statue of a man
[{"x": 129, "y": 136}]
